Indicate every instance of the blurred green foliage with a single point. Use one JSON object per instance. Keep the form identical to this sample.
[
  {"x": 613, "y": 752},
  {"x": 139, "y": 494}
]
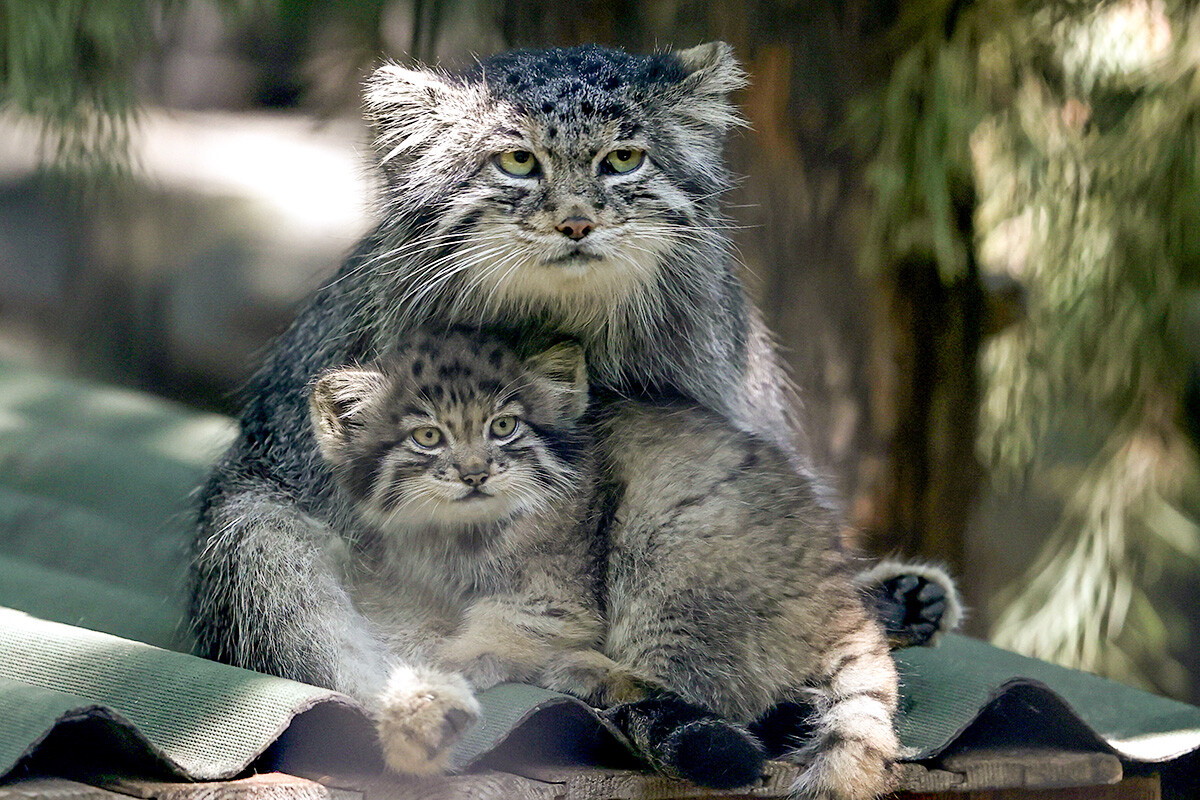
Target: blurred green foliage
[
  {"x": 70, "y": 65},
  {"x": 1071, "y": 129}
]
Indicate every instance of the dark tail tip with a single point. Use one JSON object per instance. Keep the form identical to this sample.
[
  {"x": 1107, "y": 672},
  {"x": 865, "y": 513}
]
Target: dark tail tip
[{"x": 716, "y": 754}]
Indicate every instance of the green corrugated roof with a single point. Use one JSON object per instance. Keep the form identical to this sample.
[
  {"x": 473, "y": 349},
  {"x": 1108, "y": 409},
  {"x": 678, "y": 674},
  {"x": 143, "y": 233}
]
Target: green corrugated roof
[{"x": 94, "y": 526}]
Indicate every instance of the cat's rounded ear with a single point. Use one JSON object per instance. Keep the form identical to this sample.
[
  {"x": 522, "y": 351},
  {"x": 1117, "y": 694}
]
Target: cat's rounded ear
[
  {"x": 336, "y": 405},
  {"x": 712, "y": 73},
  {"x": 564, "y": 369},
  {"x": 411, "y": 108}
]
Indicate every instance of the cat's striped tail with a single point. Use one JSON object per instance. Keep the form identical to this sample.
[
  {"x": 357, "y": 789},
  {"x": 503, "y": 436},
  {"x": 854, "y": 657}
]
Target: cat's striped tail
[{"x": 851, "y": 746}]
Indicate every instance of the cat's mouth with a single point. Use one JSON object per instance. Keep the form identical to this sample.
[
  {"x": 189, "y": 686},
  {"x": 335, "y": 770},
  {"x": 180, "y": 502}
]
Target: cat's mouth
[
  {"x": 474, "y": 494},
  {"x": 574, "y": 257}
]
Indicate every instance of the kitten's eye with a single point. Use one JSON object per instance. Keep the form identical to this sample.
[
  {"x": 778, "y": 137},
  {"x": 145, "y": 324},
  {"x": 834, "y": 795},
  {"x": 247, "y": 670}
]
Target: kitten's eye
[
  {"x": 427, "y": 436},
  {"x": 520, "y": 163},
  {"x": 619, "y": 162},
  {"x": 503, "y": 427}
]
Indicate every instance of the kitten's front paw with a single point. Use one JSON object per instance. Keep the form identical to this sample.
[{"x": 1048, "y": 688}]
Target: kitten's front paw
[
  {"x": 594, "y": 677},
  {"x": 422, "y": 713}
]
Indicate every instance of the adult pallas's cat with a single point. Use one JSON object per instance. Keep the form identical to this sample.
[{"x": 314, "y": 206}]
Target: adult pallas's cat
[{"x": 554, "y": 192}]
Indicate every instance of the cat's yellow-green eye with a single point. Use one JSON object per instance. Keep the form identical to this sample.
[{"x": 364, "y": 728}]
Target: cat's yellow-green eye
[
  {"x": 427, "y": 436},
  {"x": 520, "y": 163},
  {"x": 504, "y": 426},
  {"x": 619, "y": 162}
]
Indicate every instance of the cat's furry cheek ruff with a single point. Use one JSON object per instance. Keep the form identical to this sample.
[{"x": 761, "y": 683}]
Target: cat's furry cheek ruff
[{"x": 421, "y": 713}]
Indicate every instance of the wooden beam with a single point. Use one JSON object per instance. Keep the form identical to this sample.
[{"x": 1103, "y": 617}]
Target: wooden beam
[
  {"x": 1010, "y": 768},
  {"x": 267, "y": 786},
  {"x": 53, "y": 789},
  {"x": 996, "y": 774},
  {"x": 1127, "y": 789}
]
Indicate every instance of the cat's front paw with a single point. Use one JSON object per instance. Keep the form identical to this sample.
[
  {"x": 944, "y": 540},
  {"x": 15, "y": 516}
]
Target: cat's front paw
[{"x": 422, "y": 713}]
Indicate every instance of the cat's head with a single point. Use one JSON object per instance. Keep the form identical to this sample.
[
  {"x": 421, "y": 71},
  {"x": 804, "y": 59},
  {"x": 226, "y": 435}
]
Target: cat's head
[
  {"x": 555, "y": 180},
  {"x": 453, "y": 431}
]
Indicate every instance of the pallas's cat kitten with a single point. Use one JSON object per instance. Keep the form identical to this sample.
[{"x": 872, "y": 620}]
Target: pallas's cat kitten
[
  {"x": 492, "y": 530},
  {"x": 466, "y": 533}
]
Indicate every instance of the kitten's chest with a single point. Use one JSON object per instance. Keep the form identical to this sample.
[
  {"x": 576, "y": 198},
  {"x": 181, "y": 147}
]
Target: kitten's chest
[{"x": 434, "y": 583}]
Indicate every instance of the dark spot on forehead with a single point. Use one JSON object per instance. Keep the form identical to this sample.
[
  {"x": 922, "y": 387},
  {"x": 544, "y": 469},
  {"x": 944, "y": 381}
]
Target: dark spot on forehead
[
  {"x": 490, "y": 387},
  {"x": 453, "y": 370},
  {"x": 418, "y": 367},
  {"x": 588, "y": 80}
]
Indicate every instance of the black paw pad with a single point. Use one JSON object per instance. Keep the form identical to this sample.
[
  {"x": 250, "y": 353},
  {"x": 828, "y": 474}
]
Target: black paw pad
[
  {"x": 911, "y": 607},
  {"x": 715, "y": 754}
]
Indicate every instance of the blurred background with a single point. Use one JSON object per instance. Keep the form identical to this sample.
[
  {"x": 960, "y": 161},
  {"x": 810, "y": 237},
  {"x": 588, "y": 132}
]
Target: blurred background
[{"x": 974, "y": 226}]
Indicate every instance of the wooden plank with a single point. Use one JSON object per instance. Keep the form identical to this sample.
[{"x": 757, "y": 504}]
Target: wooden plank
[
  {"x": 479, "y": 786},
  {"x": 986, "y": 774},
  {"x": 267, "y": 786},
  {"x": 619, "y": 784},
  {"x": 54, "y": 789},
  {"x": 1147, "y": 788},
  {"x": 1012, "y": 768},
  {"x": 1034, "y": 768}
]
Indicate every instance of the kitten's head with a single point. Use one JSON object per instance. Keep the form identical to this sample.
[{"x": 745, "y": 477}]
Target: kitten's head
[
  {"x": 455, "y": 431},
  {"x": 554, "y": 180}
]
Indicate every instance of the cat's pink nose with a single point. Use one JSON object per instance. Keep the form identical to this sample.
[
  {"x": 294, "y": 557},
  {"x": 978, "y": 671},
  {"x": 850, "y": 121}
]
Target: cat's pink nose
[
  {"x": 575, "y": 227},
  {"x": 473, "y": 478}
]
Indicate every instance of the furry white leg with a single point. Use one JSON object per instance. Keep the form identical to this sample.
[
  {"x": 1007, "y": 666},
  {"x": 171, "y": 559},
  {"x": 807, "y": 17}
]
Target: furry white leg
[{"x": 421, "y": 713}]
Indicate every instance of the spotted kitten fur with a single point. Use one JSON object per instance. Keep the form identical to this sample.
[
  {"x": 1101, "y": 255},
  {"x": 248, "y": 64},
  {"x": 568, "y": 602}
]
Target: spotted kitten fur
[
  {"x": 466, "y": 536},
  {"x": 493, "y": 532}
]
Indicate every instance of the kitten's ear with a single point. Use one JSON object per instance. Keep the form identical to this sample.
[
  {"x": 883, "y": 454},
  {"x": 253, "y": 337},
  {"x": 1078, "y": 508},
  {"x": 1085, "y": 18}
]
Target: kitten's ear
[
  {"x": 410, "y": 108},
  {"x": 337, "y": 402},
  {"x": 564, "y": 368},
  {"x": 713, "y": 72}
]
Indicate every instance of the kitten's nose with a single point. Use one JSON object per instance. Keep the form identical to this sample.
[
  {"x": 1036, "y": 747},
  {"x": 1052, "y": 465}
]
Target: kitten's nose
[
  {"x": 575, "y": 227},
  {"x": 473, "y": 478}
]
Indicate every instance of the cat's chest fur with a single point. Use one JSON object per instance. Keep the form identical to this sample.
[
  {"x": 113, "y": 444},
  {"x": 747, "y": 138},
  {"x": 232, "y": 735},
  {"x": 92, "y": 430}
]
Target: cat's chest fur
[{"x": 411, "y": 593}]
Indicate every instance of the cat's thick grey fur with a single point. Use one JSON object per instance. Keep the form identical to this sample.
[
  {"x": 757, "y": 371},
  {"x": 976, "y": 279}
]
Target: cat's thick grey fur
[
  {"x": 674, "y": 568},
  {"x": 653, "y": 297},
  {"x": 651, "y": 293}
]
